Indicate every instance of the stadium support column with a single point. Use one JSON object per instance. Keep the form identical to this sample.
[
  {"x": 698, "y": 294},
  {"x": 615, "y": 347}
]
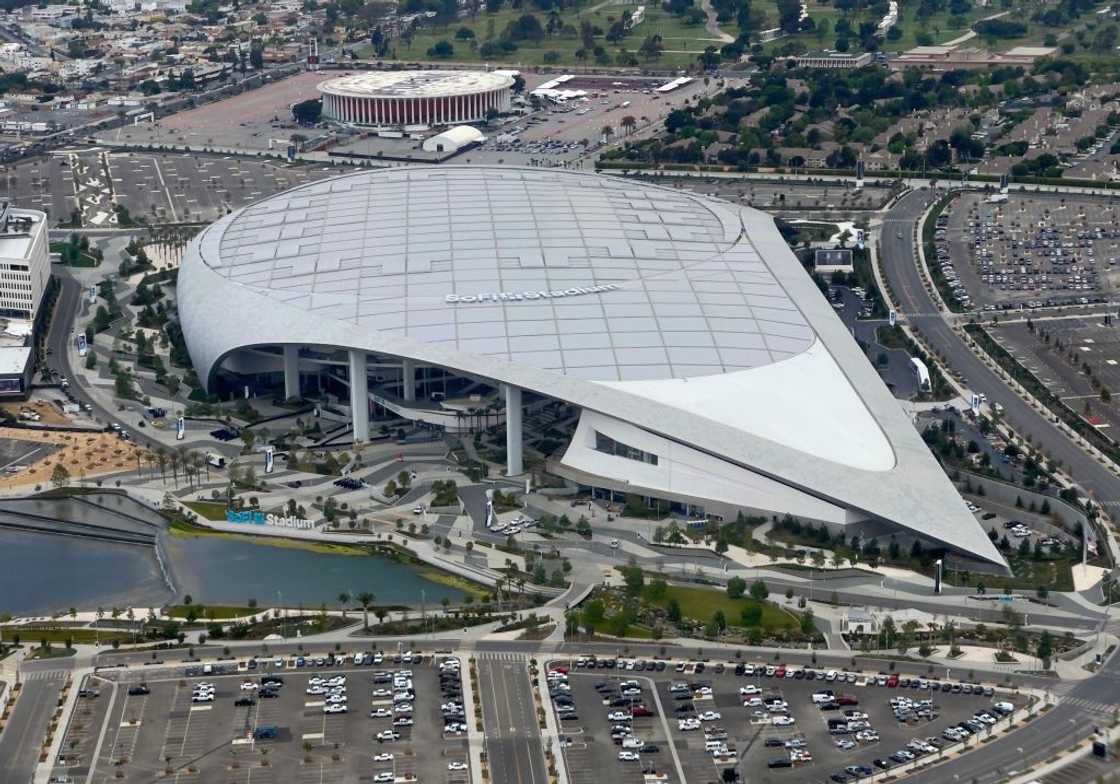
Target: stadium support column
[
  {"x": 513, "y": 431},
  {"x": 408, "y": 375},
  {"x": 359, "y": 395},
  {"x": 291, "y": 372}
]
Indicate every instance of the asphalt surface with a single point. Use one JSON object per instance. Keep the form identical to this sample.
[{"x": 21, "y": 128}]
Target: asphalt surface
[
  {"x": 513, "y": 740},
  {"x": 900, "y": 267},
  {"x": 26, "y": 729}
]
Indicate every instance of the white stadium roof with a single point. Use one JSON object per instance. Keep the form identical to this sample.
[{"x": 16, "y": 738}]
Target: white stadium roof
[
  {"x": 415, "y": 84},
  {"x": 684, "y": 316}
]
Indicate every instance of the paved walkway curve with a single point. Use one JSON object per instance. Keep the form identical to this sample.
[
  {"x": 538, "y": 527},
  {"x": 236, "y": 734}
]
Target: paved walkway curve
[{"x": 712, "y": 24}]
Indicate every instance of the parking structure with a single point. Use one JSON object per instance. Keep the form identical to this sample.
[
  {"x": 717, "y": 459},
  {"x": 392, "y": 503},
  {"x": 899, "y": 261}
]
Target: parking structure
[
  {"x": 1004, "y": 252},
  {"x": 782, "y": 724},
  {"x": 334, "y": 718}
]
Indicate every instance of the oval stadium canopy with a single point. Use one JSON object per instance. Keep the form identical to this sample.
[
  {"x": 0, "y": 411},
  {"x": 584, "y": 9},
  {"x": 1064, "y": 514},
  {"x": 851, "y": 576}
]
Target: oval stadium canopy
[{"x": 672, "y": 319}]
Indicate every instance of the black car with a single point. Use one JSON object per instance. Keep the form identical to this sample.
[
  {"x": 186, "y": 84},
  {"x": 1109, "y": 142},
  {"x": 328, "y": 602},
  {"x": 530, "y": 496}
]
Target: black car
[
  {"x": 272, "y": 679},
  {"x": 780, "y": 762},
  {"x": 661, "y": 666},
  {"x": 242, "y": 702},
  {"x": 136, "y": 691},
  {"x": 881, "y": 763},
  {"x": 650, "y": 748},
  {"x": 776, "y": 742},
  {"x": 268, "y": 693},
  {"x": 839, "y": 778}
]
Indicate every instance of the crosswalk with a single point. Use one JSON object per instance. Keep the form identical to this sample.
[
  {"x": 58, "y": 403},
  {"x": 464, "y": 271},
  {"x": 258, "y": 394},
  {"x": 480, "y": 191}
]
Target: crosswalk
[
  {"x": 500, "y": 656},
  {"x": 1090, "y": 706},
  {"x": 44, "y": 675}
]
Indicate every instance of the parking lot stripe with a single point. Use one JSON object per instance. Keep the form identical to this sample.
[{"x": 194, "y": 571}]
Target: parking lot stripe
[
  {"x": 314, "y": 735},
  {"x": 201, "y": 707}
]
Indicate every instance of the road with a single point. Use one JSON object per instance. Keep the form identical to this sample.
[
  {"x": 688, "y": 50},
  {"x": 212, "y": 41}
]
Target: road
[
  {"x": 27, "y": 728},
  {"x": 513, "y": 739},
  {"x": 900, "y": 267}
]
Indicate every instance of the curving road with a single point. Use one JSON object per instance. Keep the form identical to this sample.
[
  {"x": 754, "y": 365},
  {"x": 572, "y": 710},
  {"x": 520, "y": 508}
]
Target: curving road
[{"x": 898, "y": 259}]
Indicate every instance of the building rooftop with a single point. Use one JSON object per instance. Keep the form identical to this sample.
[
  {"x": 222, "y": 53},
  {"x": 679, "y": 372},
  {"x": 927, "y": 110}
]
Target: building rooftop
[
  {"x": 415, "y": 84},
  {"x": 595, "y": 277}
]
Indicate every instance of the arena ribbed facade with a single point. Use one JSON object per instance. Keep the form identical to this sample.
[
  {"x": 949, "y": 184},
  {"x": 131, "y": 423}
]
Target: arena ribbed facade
[{"x": 397, "y": 98}]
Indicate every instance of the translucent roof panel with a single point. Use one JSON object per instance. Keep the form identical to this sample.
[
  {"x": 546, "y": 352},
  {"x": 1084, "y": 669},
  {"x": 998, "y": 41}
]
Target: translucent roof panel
[{"x": 599, "y": 278}]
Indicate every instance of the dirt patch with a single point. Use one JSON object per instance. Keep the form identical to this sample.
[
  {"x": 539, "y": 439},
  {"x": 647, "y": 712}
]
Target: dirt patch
[
  {"x": 82, "y": 455},
  {"x": 48, "y": 412}
]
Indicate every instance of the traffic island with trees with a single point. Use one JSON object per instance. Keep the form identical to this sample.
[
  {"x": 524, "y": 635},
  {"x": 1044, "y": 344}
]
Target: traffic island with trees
[{"x": 648, "y": 607}]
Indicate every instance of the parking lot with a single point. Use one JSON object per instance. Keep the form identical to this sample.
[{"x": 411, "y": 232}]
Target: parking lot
[
  {"x": 772, "y": 723},
  {"x": 323, "y": 723},
  {"x": 156, "y": 187},
  {"x": 1030, "y": 251}
]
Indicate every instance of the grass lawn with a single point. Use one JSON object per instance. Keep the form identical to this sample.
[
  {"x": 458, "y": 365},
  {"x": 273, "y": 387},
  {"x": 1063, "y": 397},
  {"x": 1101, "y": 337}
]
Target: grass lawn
[
  {"x": 217, "y": 612},
  {"x": 84, "y": 259},
  {"x": 682, "y": 42},
  {"x": 32, "y": 635},
  {"x": 701, "y": 603},
  {"x": 209, "y": 510}
]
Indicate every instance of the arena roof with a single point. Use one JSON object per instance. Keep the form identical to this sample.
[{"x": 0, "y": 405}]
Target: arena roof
[
  {"x": 682, "y": 315},
  {"x": 392, "y": 251},
  {"x": 415, "y": 84}
]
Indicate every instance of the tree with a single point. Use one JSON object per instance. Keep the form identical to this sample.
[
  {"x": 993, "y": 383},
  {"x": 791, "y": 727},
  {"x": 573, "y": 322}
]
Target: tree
[
  {"x": 759, "y": 591},
  {"x": 673, "y": 612},
  {"x": 807, "y": 626},
  {"x": 736, "y": 587},
  {"x": 365, "y": 599},
  {"x": 593, "y": 614},
  {"x": 752, "y": 615},
  {"x": 308, "y": 112},
  {"x": 634, "y": 579},
  {"x": 60, "y": 477},
  {"x": 441, "y": 50},
  {"x": 628, "y": 123},
  {"x": 1045, "y": 647},
  {"x": 343, "y": 600}
]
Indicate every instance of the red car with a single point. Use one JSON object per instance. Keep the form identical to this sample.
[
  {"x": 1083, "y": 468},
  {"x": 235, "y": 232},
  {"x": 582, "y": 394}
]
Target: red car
[
  {"x": 780, "y": 672},
  {"x": 640, "y": 710},
  {"x": 892, "y": 682},
  {"x": 844, "y": 699}
]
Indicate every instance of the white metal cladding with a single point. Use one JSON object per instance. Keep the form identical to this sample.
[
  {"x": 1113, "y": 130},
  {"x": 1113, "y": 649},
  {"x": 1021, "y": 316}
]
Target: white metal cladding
[{"x": 628, "y": 283}]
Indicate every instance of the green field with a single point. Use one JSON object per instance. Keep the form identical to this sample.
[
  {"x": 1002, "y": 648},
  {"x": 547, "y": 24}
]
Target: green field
[
  {"x": 216, "y": 612},
  {"x": 208, "y": 510},
  {"x": 701, "y": 603},
  {"x": 33, "y": 636},
  {"x": 682, "y": 43}
]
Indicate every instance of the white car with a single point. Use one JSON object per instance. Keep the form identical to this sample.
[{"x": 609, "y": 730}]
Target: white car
[
  {"x": 335, "y": 699},
  {"x": 457, "y": 766},
  {"x": 704, "y": 691},
  {"x": 618, "y": 716},
  {"x": 784, "y": 721},
  {"x": 336, "y": 707},
  {"x": 709, "y": 716},
  {"x": 381, "y": 693},
  {"x": 747, "y": 691},
  {"x": 684, "y": 725},
  {"x": 385, "y": 756},
  {"x": 387, "y": 776},
  {"x": 248, "y": 686},
  {"x": 385, "y": 735},
  {"x": 381, "y": 713},
  {"x": 402, "y": 721},
  {"x": 628, "y": 756},
  {"x": 402, "y": 707}
]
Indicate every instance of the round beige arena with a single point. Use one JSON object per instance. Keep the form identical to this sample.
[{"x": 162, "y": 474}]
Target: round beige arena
[{"x": 421, "y": 98}]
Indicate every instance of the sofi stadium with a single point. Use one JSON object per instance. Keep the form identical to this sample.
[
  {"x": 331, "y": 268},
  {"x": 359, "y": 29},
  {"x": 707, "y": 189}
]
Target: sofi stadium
[{"x": 673, "y": 340}]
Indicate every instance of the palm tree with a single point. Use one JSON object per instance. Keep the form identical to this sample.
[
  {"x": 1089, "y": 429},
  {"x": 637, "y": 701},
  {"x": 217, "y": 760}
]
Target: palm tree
[
  {"x": 161, "y": 458},
  {"x": 343, "y": 600},
  {"x": 606, "y": 132},
  {"x": 628, "y": 123},
  {"x": 365, "y": 598}
]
